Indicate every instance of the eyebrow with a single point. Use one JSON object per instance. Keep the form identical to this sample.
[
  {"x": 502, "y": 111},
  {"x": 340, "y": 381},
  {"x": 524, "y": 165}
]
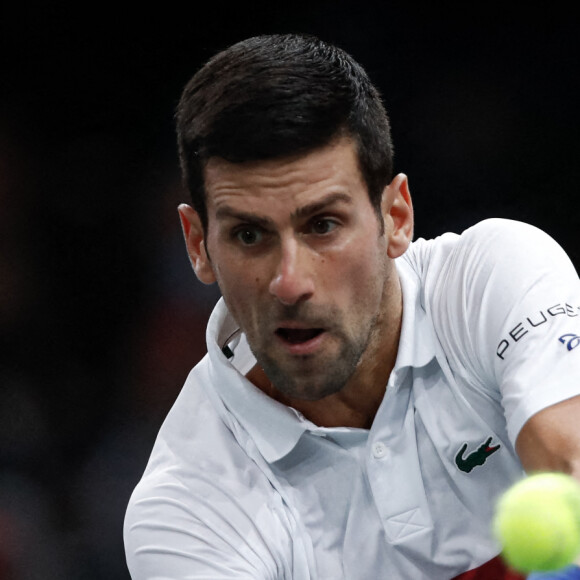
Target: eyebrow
[
  {"x": 225, "y": 211},
  {"x": 322, "y": 204}
]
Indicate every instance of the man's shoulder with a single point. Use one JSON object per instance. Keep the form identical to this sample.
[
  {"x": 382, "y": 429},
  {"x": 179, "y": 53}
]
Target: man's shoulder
[
  {"x": 491, "y": 238},
  {"x": 493, "y": 233},
  {"x": 197, "y": 471},
  {"x": 202, "y": 501},
  {"x": 197, "y": 446}
]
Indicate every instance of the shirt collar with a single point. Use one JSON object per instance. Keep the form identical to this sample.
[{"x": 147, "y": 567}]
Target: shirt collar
[
  {"x": 274, "y": 427},
  {"x": 417, "y": 342}
]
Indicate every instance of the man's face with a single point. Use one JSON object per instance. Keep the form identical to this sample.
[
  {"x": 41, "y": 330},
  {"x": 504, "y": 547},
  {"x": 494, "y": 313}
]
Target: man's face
[{"x": 303, "y": 264}]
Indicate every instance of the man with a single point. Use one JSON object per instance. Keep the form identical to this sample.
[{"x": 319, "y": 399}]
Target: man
[{"x": 365, "y": 398}]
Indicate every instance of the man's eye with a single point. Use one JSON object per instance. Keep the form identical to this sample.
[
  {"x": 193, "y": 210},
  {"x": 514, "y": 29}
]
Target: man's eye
[
  {"x": 249, "y": 236},
  {"x": 323, "y": 226}
]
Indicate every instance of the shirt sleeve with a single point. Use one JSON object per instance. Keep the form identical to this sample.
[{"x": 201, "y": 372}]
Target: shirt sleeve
[
  {"x": 169, "y": 535},
  {"x": 506, "y": 309}
]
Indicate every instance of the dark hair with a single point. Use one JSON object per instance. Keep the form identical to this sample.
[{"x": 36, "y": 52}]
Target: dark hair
[{"x": 272, "y": 96}]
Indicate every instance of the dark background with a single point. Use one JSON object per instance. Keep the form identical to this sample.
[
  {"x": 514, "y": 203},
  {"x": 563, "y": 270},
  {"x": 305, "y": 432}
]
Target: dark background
[{"x": 101, "y": 317}]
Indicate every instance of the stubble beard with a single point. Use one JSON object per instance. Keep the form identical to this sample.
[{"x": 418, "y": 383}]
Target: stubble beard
[{"x": 313, "y": 377}]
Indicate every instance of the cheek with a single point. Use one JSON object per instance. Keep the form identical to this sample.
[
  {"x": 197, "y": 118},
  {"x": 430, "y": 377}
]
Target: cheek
[
  {"x": 363, "y": 272},
  {"x": 241, "y": 288}
]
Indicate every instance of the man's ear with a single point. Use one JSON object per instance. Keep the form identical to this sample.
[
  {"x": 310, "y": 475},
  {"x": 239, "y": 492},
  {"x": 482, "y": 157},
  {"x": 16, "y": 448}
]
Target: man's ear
[
  {"x": 195, "y": 243},
  {"x": 397, "y": 210}
]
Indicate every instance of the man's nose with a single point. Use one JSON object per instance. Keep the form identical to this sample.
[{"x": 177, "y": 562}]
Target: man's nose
[{"x": 293, "y": 281}]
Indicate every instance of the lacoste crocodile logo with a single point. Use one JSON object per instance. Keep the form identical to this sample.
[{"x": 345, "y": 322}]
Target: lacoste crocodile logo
[{"x": 475, "y": 458}]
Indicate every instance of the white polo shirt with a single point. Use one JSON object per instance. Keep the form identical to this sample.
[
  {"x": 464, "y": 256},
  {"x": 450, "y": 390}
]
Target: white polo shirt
[{"x": 241, "y": 486}]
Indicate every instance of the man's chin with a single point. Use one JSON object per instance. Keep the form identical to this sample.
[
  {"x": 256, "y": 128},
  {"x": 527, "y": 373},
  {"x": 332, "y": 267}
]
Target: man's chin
[
  {"x": 306, "y": 386},
  {"x": 308, "y": 377}
]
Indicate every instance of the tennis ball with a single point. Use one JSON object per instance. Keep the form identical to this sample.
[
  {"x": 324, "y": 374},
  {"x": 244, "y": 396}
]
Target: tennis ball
[{"x": 537, "y": 522}]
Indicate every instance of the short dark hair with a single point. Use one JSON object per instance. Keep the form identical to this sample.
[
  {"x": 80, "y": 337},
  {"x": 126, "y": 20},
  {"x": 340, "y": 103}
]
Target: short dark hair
[{"x": 276, "y": 95}]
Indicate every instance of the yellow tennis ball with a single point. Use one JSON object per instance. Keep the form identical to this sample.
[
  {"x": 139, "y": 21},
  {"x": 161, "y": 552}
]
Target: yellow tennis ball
[{"x": 537, "y": 522}]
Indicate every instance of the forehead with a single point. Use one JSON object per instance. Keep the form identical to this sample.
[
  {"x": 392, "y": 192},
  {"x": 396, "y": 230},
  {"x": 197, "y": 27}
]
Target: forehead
[{"x": 292, "y": 180}]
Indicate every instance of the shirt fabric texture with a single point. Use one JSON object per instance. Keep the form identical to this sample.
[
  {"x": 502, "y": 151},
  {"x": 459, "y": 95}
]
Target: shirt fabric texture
[{"x": 241, "y": 486}]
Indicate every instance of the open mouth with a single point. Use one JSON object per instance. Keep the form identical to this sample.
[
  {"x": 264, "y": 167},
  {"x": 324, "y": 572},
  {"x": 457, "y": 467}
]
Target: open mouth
[{"x": 298, "y": 335}]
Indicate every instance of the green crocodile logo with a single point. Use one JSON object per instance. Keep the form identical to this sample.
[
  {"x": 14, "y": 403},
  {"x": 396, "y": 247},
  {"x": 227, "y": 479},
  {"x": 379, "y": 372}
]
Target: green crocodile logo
[{"x": 478, "y": 457}]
